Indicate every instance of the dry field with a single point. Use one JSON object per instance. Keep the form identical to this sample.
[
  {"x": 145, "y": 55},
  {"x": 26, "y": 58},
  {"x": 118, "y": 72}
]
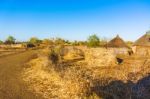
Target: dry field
[
  {"x": 77, "y": 79},
  {"x": 70, "y": 73}
]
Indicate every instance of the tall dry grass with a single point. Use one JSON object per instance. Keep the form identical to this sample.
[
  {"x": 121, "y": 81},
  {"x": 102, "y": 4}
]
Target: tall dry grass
[{"x": 77, "y": 80}]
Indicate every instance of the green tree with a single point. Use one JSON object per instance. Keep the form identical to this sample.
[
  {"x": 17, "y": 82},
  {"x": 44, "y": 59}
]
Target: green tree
[
  {"x": 34, "y": 40},
  {"x": 81, "y": 43},
  {"x": 59, "y": 41},
  {"x": 67, "y": 42},
  {"x": 93, "y": 41},
  {"x": 129, "y": 43},
  {"x": 103, "y": 41},
  {"x": 75, "y": 43},
  {"x": 10, "y": 40},
  {"x": 48, "y": 41},
  {"x": 1, "y": 42}
]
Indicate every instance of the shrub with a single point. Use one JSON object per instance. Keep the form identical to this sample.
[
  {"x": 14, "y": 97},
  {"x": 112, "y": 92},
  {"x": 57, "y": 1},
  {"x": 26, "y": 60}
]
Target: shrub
[
  {"x": 59, "y": 41},
  {"x": 48, "y": 42},
  {"x": 30, "y": 45},
  {"x": 53, "y": 56},
  {"x": 1, "y": 42},
  {"x": 10, "y": 40},
  {"x": 93, "y": 41},
  {"x": 34, "y": 41}
]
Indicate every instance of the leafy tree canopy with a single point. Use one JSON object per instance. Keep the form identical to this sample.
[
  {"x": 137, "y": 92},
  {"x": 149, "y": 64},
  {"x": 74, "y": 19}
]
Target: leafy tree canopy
[
  {"x": 34, "y": 40},
  {"x": 1, "y": 42},
  {"x": 93, "y": 41},
  {"x": 10, "y": 40},
  {"x": 59, "y": 41},
  {"x": 48, "y": 41}
]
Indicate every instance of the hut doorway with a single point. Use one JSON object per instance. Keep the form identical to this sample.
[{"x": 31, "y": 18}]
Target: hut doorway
[{"x": 119, "y": 60}]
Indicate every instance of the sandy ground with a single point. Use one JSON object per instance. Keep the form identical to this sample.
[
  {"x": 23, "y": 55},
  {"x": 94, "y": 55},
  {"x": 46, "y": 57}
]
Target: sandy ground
[{"x": 11, "y": 85}]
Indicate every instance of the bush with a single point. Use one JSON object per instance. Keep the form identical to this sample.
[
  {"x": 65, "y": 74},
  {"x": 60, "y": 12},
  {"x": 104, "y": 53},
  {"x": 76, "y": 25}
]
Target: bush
[
  {"x": 34, "y": 41},
  {"x": 1, "y": 42},
  {"x": 48, "y": 42},
  {"x": 59, "y": 41},
  {"x": 10, "y": 40},
  {"x": 30, "y": 45},
  {"x": 53, "y": 56},
  {"x": 93, "y": 41}
]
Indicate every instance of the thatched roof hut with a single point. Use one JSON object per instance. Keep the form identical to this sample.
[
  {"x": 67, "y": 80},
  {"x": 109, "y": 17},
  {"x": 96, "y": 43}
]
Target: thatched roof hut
[
  {"x": 144, "y": 40},
  {"x": 117, "y": 42}
]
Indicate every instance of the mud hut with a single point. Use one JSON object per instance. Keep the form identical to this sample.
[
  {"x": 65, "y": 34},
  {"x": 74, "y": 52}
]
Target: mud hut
[
  {"x": 142, "y": 45},
  {"x": 118, "y": 46}
]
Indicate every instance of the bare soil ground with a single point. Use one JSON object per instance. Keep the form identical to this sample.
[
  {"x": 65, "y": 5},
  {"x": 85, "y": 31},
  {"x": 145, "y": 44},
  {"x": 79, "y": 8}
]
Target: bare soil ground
[{"x": 11, "y": 85}]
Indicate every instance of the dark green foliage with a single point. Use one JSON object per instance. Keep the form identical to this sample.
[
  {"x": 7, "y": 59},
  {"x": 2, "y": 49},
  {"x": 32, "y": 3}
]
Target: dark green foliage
[
  {"x": 93, "y": 41},
  {"x": 48, "y": 41},
  {"x": 79, "y": 43},
  {"x": 59, "y": 41},
  {"x": 1, "y": 42},
  {"x": 67, "y": 42},
  {"x": 30, "y": 45},
  {"x": 10, "y": 40},
  {"x": 34, "y": 41},
  {"x": 75, "y": 43}
]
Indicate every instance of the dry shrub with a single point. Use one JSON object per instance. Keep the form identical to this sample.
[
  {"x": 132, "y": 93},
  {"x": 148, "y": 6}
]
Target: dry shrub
[
  {"x": 53, "y": 54},
  {"x": 81, "y": 81},
  {"x": 39, "y": 79},
  {"x": 76, "y": 81},
  {"x": 54, "y": 57},
  {"x": 49, "y": 83}
]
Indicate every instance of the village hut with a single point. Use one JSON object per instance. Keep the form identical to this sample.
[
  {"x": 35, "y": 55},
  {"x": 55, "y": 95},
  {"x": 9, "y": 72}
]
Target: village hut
[
  {"x": 107, "y": 56},
  {"x": 142, "y": 45},
  {"x": 118, "y": 46}
]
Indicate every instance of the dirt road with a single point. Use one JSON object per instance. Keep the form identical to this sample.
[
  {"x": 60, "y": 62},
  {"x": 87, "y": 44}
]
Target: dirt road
[{"x": 11, "y": 85}]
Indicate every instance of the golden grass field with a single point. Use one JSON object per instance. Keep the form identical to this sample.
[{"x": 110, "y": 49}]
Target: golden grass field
[{"x": 33, "y": 75}]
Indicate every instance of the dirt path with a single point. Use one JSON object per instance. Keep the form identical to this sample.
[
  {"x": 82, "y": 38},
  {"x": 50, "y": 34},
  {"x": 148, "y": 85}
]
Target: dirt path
[{"x": 11, "y": 86}]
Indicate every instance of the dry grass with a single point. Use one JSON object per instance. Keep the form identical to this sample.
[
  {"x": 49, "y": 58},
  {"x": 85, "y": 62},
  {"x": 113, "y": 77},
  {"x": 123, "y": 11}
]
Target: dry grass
[
  {"x": 78, "y": 79},
  {"x": 99, "y": 57},
  {"x": 50, "y": 83}
]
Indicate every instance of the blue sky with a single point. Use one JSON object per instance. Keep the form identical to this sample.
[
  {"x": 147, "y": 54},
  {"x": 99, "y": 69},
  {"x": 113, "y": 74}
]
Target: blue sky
[{"x": 74, "y": 19}]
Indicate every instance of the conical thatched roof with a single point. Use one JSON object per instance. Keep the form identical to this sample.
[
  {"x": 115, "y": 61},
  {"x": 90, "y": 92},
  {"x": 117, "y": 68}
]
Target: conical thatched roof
[
  {"x": 144, "y": 40},
  {"x": 117, "y": 42}
]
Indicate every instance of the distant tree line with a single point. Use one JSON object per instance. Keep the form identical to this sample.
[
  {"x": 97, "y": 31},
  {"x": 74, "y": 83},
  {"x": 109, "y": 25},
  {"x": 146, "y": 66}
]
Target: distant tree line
[
  {"x": 9, "y": 40},
  {"x": 1, "y": 42},
  {"x": 92, "y": 41}
]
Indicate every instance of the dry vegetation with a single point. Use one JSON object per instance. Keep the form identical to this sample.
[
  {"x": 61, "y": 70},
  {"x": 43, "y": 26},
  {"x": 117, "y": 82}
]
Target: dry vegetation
[
  {"x": 10, "y": 51},
  {"x": 60, "y": 69},
  {"x": 75, "y": 78},
  {"x": 98, "y": 57}
]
